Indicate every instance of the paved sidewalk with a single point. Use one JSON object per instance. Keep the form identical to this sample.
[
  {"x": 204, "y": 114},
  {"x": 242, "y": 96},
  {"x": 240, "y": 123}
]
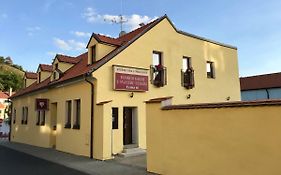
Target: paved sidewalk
[{"x": 118, "y": 166}]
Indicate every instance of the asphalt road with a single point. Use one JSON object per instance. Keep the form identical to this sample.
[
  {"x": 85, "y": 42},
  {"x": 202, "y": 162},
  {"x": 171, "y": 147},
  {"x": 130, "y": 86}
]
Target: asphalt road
[{"x": 17, "y": 163}]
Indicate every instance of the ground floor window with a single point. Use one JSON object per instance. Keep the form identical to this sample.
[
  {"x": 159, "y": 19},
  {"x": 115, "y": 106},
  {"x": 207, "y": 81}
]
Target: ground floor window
[
  {"x": 77, "y": 114},
  {"x": 24, "y": 118},
  {"x": 114, "y": 118},
  {"x": 15, "y": 115},
  {"x": 41, "y": 118},
  {"x": 68, "y": 114}
]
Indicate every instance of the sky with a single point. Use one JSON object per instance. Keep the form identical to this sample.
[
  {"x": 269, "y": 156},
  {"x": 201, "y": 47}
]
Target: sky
[{"x": 33, "y": 31}]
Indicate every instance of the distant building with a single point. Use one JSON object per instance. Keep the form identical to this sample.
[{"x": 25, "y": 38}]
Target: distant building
[
  {"x": 3, "y": 104},
  {"x": 4, "y": 126},
  {"x": 267, "y": 86}
]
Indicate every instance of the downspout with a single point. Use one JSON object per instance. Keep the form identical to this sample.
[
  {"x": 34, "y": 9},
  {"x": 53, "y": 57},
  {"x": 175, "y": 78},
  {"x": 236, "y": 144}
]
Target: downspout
[
  {"x": 267, "y": 93},
  {"x": 92, "y": 117}
]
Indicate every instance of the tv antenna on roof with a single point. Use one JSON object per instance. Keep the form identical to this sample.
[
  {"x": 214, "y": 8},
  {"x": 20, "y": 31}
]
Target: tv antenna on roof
[{"x": 120, "y": 19}]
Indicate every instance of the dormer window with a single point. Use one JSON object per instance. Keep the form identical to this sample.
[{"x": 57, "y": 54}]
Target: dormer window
[
  {"x": 93, "y": 53},
  {"x": 39, "y": 77},
  {"x": 55, "y": 75}
]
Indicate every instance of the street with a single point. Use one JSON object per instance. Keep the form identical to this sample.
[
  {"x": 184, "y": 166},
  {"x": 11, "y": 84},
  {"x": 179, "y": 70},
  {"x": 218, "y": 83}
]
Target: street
[{"x": 13, "y": 163}]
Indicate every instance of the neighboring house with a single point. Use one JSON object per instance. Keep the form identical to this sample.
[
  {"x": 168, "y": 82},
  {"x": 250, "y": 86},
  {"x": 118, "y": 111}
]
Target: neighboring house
[
  {"x": 4, "y": 126},
  {"x": 3, "y": 104},
  {"x": 93, "y": 104},
  {"x": 258, "y": 87}
]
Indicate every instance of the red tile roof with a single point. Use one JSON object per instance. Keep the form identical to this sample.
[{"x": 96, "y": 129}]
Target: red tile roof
[
  {"x": 4, "y": 95},
  {"x": 2, "y": 106},
  {"x": 261, "y": 81},
  {"x": 81, "y": 67},
  {"x": 46, "y": 67},
  {"x": 124, "y": 38},
  {"x": 67, "y": 59},
  {"x": 233, "y": 104},
  {"x": 31, "y": 75}
]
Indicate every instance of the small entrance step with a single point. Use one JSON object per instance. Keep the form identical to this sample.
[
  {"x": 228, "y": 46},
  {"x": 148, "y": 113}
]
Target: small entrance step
[{"x": 132, "y": 152}]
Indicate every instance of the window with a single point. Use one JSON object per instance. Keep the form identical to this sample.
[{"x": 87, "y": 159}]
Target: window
[
  {"x": 55, "y": 75},
  {"x": 68, "y": 114},
  {"x": 157, "y": 58},
  {"x": 25, "y": 82},
  {"x": 187, "y": 73},
  {"x": 41, "y": 117},
  {"x": 210, "y": 69},
  {"x": 93, "y": 54},
  {"x": 158, "y": 73},
  {"x": 77, "y": 114},
  {"x": 114, "y": 118},
  {"x": 56, "y": 66},
  {"x": 39, "y": 77},
  {"x": 186, "y": 63},
  {"x": 24, "y": 117},
  {"x": 38, "y": 118},
  {"x": 15, "y": 115}
]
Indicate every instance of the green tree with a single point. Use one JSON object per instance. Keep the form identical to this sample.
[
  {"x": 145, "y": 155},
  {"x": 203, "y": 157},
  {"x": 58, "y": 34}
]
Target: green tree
[
  {"x": 10, "y": 79},
  {"x": 2, "y": 59}
]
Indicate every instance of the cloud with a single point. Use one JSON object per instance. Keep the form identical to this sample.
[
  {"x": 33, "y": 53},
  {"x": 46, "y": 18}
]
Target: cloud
[
  {"x": 51, "y": 53},
  {"x": 3, "y": 16},
  {"x": 131, "y": 22},
  {"x": 48, "y": 4},
  {"x": 32, "y": 30},
  {"x": 69, "y": 44},
  {"x": 81, "y": 34}
]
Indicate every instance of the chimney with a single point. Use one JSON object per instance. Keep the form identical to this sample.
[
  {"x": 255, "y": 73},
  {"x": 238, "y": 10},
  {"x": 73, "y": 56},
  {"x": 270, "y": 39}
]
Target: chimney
[
  {"x": 10, "y": 91},
  {"x": 122, "y": 33},
  {"x": 141, "y": 24}
]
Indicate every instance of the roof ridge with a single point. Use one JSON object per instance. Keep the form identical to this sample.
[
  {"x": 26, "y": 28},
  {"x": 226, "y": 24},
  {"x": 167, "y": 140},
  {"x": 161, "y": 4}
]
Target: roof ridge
[
  {"x": 105, "y": 36},
  {"x": 65, "y": 55},
  {"x": 45, "y": 64},
  {"x": 140, "y": 27}
]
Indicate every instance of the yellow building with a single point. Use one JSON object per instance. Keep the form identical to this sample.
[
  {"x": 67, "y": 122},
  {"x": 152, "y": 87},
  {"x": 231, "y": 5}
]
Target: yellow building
[{"x": 93, "y": 104}]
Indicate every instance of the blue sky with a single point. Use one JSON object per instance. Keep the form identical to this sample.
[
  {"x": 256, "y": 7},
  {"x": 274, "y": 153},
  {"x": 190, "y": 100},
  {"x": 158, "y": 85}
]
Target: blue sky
[{"x": 32, "y": 31}]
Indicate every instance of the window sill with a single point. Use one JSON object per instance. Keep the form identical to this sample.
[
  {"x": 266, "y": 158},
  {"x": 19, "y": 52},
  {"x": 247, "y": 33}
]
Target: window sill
[
  {"x": 67, "y": 126},
  {"x": 76, "y": 127}
]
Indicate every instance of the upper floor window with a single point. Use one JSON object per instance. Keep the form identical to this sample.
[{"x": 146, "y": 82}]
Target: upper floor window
[
  {"x": 25, "y": 82},
  {"x": 187, "y": 73},
  {"x": 55, "y": 75},
  {"x": 56, "y": 66},
  {"x": 93, "y": 53},
  {"x": 158, "y": 73},
  {"x": 210, "y": 69}
]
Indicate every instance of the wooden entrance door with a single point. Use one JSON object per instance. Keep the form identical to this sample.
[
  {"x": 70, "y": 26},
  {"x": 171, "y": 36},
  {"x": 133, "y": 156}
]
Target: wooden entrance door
[{"x": 127, "y": 125}]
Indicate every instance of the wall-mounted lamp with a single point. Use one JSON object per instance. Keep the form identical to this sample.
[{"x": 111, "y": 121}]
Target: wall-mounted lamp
[
  {"x": 188, "y": 96},
  {"x": 227, "y": 98},
  {"x": 131, "y": 94}
]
